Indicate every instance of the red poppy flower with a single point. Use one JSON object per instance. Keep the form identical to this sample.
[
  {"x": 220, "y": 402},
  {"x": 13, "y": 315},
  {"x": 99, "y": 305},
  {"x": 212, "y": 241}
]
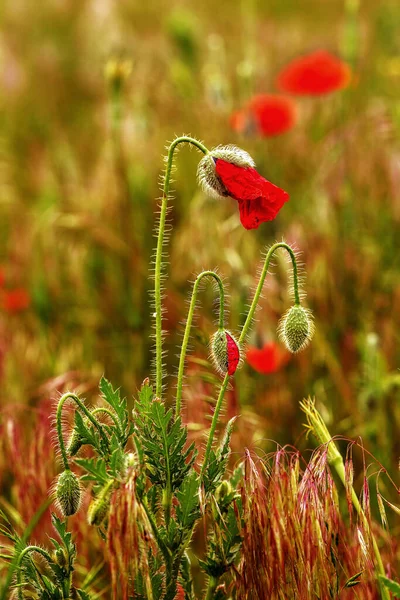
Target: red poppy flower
[
  {"x": 16, "y": 300},
  {"x": 268, "y": 359},
  {"x": 259, "y": 200},
  {"x": 266, "y": 114},
  {"x": 314, "y": 74}
]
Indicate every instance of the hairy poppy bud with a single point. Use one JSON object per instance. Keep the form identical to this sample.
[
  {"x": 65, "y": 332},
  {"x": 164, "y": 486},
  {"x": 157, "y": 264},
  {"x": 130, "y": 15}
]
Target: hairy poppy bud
[
  {"x": 296, "y": 328},
  {"x": 68, "y": 493},
  {"x": 75, "y": 443},
  {"x": 206, "y": 172},
  {"x": 225, "y": 352},
  {"x": 60, "y": 558},
  {"x": 223, "y": 490},
  {"x": 99, "y": 506}
]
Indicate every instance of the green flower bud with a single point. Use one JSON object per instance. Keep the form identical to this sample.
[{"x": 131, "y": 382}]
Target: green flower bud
[
  {"x": 75, "y": 443},
  {"x": 225, "y": 352},
  {"x": 223, "y": 490},
  {"x": 68, "y": 493},
  {"x": 296, "y": 328},
  {"x": 99, "y": 506}
]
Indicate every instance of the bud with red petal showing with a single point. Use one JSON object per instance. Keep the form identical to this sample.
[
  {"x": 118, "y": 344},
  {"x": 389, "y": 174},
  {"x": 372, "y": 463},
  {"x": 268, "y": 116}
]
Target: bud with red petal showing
[{"x": 225, "y": 352}]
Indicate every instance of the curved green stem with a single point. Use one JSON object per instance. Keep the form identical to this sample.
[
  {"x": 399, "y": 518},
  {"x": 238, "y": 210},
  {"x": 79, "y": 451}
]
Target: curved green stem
[
  {"x": 189, "y": 325},
  {"x": 88, "y": 414},
  {"x": 211, "y": 588},
  {"x": 159, "y": 250},
  {"x": 260, "y": 285},
  {"x": 214, "y": 423},
  {"x": 244, "y": 332},
  {"x": 25, "y": 551},
  {"x": 102, "y": 409}
]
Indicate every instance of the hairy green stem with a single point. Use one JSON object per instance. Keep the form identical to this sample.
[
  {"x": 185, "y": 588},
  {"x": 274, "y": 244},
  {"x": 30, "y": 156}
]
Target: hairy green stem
[
  {"x": 159, "y": 251},
  {"x": 189, "y": 325},
  {"x": 244, "y": 332},
  {"x": 24, "y": 538},
  {"x": 105, "y": 411},
  {"x": 214, "y": 423},
  {"x": 25, "y": 551},
  {"x": 88, "y": 414},
  {"x": 211, "y": 588},
  {"x": 257, "y": 294}
]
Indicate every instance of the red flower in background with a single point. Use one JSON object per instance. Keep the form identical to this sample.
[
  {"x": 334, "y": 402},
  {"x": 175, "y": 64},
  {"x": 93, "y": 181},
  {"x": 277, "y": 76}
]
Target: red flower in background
[
  {"x": 259, "y": 200},
  {"x": 16, "y": 300},
  {"x": 266, "y": 114},
  {"x": 268, "y": 359},
  {"x": 314, "y": 74}
]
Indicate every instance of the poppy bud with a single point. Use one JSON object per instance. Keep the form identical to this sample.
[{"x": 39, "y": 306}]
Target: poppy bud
[
  {"x": 99, "y": 506},
  {"x": 68, "y": 493},
  {"x": 59, "y": 557},
  {"x": 223, "y": 490},
  {"x": 75, "y": 443},
  {"x": 225, "y": 352},
  {"x": 206, "y": 174},
  {"x": 296, "y": 328}
]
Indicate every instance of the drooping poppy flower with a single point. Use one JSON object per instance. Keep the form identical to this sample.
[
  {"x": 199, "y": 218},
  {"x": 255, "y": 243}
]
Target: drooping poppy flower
[
  {"x": 266, "y": 114},
  {"x": 268, "y": 359},
  {"x": 314, "y": 74},
  {"x": 229, "y": 171},
  {"x": 16, "y": 300}
]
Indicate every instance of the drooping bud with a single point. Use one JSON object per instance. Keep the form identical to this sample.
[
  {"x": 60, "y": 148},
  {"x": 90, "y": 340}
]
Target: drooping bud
[
  {"x": 75, "y": 443},
  {"x": 225, "y": 352},
  {"x": 68, "y": 493},
  {"x": 99, "y": 506},
  {"x": 296, "y": 328},
  {"x": 206, "y": 173}
]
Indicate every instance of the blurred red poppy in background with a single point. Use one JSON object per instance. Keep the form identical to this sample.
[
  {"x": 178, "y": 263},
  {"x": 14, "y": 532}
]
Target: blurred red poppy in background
[
  {"x": 265, "y": 114},
  {"x": 268, "y": 359},
  {"x": 259, "y": 200},
  {"x": 16, "y": 300},
  {"x": 314, "y": 74}
]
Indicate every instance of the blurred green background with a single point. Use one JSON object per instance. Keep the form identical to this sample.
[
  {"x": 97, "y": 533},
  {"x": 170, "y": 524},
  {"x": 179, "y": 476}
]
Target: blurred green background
[{"x": 90, "y": 93}]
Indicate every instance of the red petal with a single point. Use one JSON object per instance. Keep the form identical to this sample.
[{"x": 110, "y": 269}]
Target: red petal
[
  {"x": 233, "y": 354},
  {"x": 259, "y": 199},
  {"x": 268, "y": 359},
  {"x": 314, "y": 74}
]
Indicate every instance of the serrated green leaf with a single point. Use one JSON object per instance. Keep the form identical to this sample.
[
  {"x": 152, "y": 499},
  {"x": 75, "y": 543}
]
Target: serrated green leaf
[
  {"x": 95, "y": 467},
  {"x": 188, "y": 510},
  {"x": 218, "y": 460}
]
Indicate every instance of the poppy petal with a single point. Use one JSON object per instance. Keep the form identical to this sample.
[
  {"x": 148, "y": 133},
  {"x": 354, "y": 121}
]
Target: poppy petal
[{"x": 259, "y": 200}]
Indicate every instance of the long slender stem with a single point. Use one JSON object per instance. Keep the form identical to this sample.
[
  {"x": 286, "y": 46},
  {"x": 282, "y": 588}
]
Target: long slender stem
[
  {"x": 24, "y": 538},
  {"x": 214, "y": 423},
  {"x": 189, "y": 325},
  {"x": 159, "y": 250},
  {"x": 211, "y": 588},
  {"x": 244, "y": 332},
  {"x": 260, "y": 285},
  {"x": 88, "y": 414}
]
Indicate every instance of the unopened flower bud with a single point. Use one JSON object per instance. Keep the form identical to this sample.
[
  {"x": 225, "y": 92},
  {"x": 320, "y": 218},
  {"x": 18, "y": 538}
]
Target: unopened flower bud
[
  {"x": 117, "y": 71},
  {"x": 225, "y": 352},
  {"x": 206, "y": 173},
  {"x": 68, "y": 493},
  {"x": 60, "y": 558},
  {"x": 223, "y": 490},
  {"x": 296, "y": 328},
  {"x": 99, "y": 506},
  {"x": 75, "y": 443}
]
